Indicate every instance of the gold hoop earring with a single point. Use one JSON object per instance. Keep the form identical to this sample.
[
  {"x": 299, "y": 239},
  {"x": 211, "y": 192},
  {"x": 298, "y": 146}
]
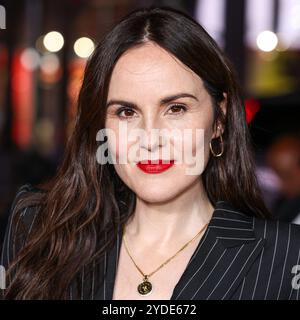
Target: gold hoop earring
[{"x": 222, "y": 148}]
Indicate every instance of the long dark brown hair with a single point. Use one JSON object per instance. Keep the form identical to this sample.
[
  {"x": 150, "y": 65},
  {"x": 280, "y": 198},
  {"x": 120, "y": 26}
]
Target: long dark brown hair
[{"x": 85, "y": 199}]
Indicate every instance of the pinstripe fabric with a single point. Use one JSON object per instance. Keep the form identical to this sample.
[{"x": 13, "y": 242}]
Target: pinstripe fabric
[{"x": 239, "y": 257}]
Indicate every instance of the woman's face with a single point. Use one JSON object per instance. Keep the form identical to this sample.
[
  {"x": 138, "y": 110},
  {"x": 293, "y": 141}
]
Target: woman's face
[{"x": 143, "y": 123}]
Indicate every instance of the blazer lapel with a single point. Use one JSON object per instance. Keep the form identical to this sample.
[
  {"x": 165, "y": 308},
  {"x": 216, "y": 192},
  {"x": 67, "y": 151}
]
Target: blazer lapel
[{"x": 221, "y": 260}]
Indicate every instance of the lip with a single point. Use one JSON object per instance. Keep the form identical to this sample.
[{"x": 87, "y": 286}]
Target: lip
[{"x": 155, "y": 167}]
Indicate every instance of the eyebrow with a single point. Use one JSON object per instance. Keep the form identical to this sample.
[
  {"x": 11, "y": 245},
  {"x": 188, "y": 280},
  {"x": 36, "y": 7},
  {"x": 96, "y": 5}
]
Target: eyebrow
[{"x": 162, "y": 101}]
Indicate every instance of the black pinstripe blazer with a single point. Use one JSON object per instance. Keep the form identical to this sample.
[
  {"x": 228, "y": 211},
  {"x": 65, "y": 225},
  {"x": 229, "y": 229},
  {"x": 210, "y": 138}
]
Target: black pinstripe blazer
[{"x": 238, "y": 257}]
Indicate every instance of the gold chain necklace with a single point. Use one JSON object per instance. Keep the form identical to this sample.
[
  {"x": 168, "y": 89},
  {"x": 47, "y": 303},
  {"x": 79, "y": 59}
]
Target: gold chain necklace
[{"x": 145, "y": 287}]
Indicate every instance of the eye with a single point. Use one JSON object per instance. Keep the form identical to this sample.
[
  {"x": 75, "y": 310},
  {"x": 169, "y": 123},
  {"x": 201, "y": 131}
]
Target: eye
[
  {"x": 178, "y": 109},
  {"x": 128, "y": 112}
]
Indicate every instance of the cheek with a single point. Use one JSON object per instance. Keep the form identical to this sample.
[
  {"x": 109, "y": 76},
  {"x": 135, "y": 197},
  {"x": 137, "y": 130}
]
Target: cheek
[
  {"x": 124, "y": 150},
  {"x": 117, "y": 141},
  {"x": 192, "y": 148},
  {"x": 123, "y": 142}
]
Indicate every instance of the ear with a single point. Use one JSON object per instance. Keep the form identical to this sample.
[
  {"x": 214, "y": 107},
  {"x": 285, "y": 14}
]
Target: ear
[{"x": 219, "y": 127}]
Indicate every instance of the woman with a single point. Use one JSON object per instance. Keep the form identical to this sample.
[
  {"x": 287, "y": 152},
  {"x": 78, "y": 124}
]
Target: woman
[{"x": 142, "y": 230}]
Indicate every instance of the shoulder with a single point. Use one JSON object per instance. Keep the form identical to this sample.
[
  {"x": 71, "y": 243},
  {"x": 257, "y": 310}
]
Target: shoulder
[
  {"x": 280, "y": 257},
  {"x": 282, "y": 244},
  {"x": 281, "y": 240},
  {"x": 277, "y": 262},
  {"x": 269, "y": 229},
  {"x": 24, "y": 209},
  {"x": 23, "y": 193},
  {"x": 275, "y": 231},
  {"x": 267, "y": 251},
  {"x": 25, "y": 204}
]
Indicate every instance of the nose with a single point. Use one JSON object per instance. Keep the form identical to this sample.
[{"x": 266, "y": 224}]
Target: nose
[{"x": 151, "y": 138}]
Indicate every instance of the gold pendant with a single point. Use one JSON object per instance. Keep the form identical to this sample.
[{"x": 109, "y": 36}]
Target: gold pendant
[{"x": 145, "y": 287}]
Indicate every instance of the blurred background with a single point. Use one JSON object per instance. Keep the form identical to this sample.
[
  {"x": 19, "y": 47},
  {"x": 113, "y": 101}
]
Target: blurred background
[{"x": 44, "y": 45}]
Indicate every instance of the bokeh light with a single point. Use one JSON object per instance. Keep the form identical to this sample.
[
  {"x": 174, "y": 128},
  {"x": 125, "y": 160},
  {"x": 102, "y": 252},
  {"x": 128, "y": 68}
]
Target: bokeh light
[
  {"x": 53, "y": 41},
  {"x": 267, "y": 41},
  {"x": 84, "y": 47},
  {"x": 30, "y": 59}
]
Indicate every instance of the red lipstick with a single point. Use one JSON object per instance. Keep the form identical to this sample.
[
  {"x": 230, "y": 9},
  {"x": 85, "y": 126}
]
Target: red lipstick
[{"x": 155, "y": 166}]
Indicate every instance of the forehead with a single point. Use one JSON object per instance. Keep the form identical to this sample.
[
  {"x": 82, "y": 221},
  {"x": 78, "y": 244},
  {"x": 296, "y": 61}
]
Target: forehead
[{"x": 150, "y": 68}]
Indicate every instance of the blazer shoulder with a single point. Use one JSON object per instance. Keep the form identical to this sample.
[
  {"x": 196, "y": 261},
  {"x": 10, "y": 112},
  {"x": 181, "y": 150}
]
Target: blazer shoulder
[
  {"x": 282, "y": 240},
  {"x": 24, "y": 207},
  {"x": 269, "y": 228},
  {"x": 20, "y": 222},
  {"x": 275, "y": 233}
]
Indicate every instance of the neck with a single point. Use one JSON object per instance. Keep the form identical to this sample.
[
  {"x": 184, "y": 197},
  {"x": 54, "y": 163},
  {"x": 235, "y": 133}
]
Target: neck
[{"x": 171, "y": 221}]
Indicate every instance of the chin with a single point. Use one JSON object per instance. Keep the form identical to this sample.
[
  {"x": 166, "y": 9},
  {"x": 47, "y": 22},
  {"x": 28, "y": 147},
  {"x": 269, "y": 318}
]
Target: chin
[
  {"x": 152, "y": 198},
  {"x": 156, "y": 194}
]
